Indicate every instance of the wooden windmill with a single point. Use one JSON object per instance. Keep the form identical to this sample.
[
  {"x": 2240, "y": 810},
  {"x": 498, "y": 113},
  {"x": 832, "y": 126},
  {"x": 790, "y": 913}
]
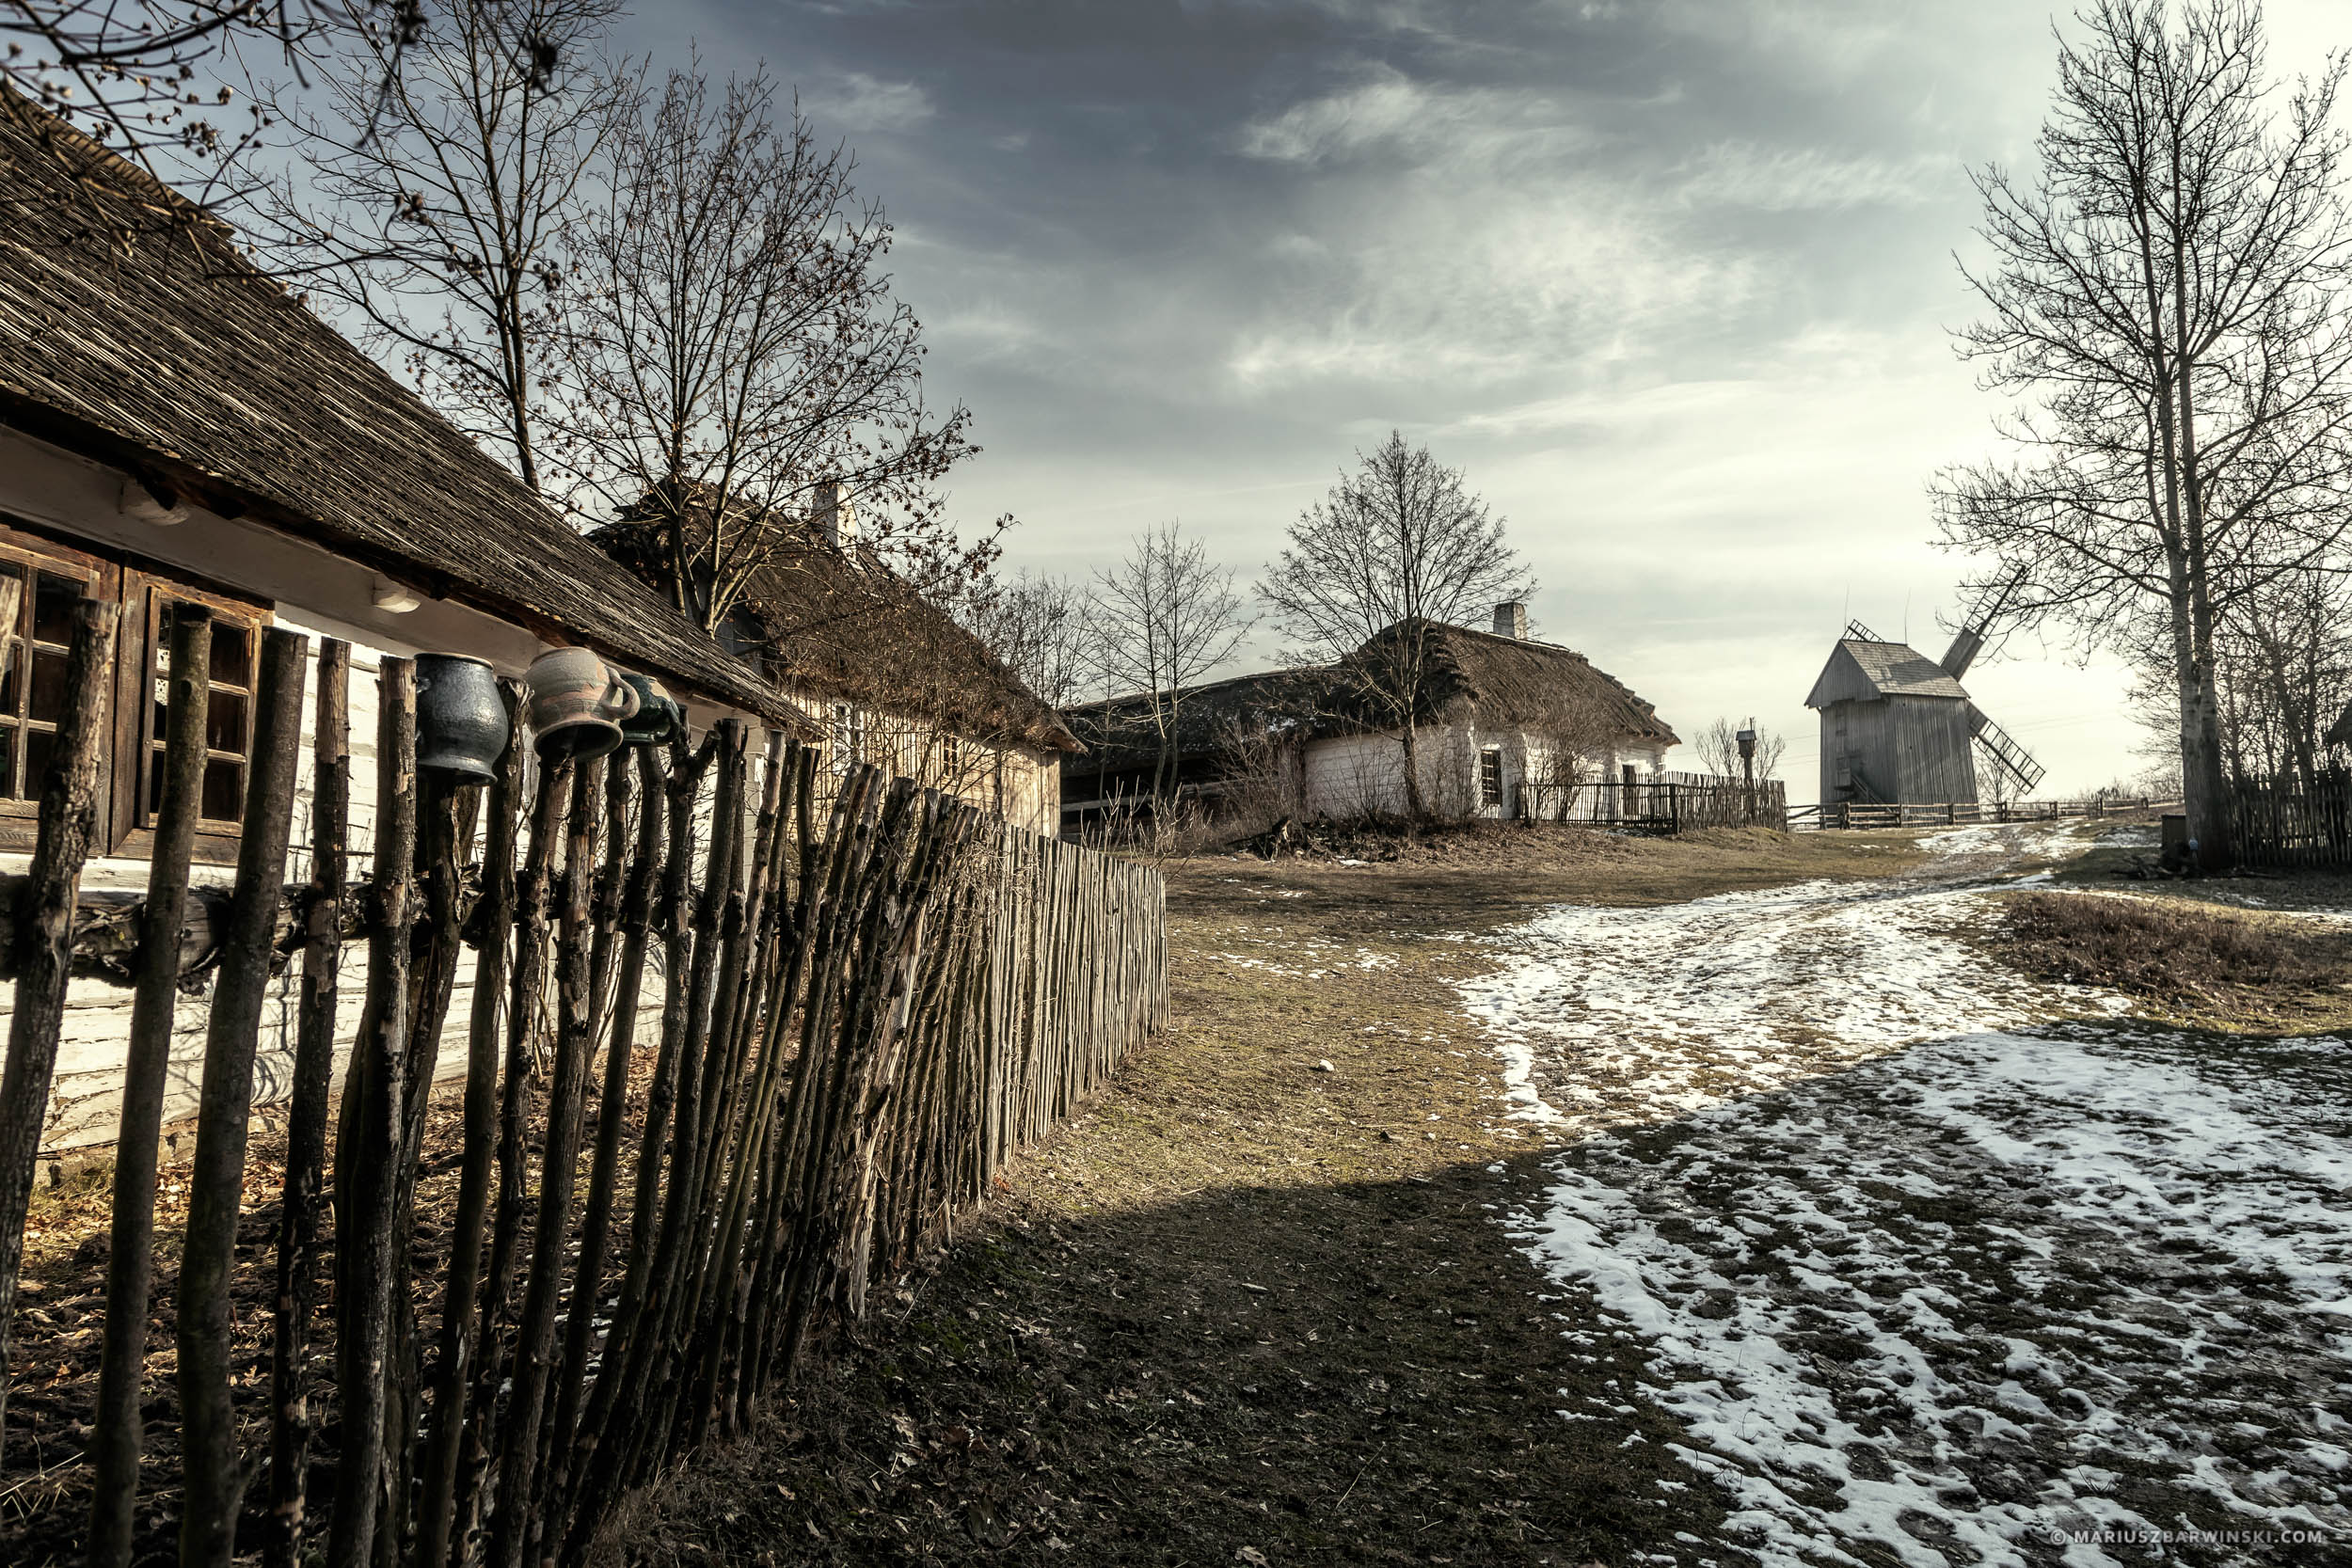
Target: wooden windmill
[{"x": 1899, "y": 727}]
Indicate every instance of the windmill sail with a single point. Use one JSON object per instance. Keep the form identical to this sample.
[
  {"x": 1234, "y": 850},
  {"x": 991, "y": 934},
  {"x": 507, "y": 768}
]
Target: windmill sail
[
  {"x": 1963, "y": 653},
  {"x": 2003, "y": 751}
]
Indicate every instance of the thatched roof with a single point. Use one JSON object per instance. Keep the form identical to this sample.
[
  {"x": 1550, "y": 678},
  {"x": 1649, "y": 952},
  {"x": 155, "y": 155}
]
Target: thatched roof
[
  {"x": 133, "y": 333},
  {"x": 844, "y": 628},
  {"x": 1473, "y": 677},
  {"x": 1864, "y": 671}
]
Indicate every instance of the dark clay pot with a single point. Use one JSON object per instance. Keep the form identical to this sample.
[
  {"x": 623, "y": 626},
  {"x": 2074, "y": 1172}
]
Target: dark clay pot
[
  {"x": 659, "y": 716},
  {"x": 462, "y": 723}
]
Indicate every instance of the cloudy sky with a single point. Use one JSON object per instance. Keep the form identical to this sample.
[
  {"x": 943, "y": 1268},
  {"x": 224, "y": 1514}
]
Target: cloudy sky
[{"x": 1670, "y": 282}]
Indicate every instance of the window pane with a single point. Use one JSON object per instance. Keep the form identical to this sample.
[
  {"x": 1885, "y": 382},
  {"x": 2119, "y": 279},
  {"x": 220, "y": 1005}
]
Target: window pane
[
  {"x": 7, "y": 762},
  {"x": 49, "y": 685},
  {"x": 224, "y": 721},
  {"x": 38, "y": 745},
  {"x": 12, "y": 684},
  {"x": 233, "y": 654},
  {"x": 154, "y": 782},
  {"x": 53, "y": 607},
  {"x": 161, "y": 717},
  {"x": 224, "y": 791}
]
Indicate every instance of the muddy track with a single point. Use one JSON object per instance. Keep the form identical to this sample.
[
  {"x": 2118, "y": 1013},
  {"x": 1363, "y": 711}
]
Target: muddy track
[{"x": 1940, "y": 1265}]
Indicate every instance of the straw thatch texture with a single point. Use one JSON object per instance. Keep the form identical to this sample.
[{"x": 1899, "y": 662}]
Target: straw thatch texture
[
  {"x": 841, "y": 626},
  {"x": 133, "y": 332},
  {"x": 1474, "y": 678}
]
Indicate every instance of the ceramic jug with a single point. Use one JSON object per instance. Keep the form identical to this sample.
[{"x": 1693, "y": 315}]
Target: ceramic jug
[
  {"x": 462, "y": 723},
  {"x": 659, "y": 716},
  {"x": 577, "y": 704}
]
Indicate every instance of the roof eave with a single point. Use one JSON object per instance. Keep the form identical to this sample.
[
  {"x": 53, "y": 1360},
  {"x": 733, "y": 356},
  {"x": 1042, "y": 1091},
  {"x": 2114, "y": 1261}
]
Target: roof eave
[{"x": 225, "y": 496}]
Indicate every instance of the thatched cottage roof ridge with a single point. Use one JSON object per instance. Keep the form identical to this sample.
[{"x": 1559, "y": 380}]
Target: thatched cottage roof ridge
[
  {"x": 1505, "y": 682},
  {"x": 1521, "y": 682},
  {"x": 137, "y": 335},
  {"x": 839, "y": 625}
]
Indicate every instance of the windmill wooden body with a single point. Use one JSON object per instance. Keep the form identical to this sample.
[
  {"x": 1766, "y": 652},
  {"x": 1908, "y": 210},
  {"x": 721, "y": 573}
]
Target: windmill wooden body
[{"x": 1899, "y": 727}]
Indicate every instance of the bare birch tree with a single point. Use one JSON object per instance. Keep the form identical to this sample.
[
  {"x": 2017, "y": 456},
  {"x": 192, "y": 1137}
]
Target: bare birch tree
[
  {"x": 1161, "y": 620},
  {"x": 431, "y": 189},
  {"x": 734, "y": 351},
  {"x": 1397, "y": 546},
  {"x": 2167, "y": 297}
]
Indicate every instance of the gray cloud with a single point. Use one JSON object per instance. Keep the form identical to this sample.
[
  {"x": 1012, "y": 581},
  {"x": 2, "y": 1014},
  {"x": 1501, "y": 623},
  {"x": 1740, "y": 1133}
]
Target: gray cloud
[{"x": 1669, "y": 280}]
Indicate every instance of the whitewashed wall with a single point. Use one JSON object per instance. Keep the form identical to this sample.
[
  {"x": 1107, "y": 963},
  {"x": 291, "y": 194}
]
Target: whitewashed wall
[{"x": 1355, "y": 775}]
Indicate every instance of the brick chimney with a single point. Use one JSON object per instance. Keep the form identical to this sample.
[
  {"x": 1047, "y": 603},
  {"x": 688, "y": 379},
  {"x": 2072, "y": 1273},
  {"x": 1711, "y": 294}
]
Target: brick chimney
[
  {"x": 1511, "y": 620},
  {"x": 833, "y": 513}
]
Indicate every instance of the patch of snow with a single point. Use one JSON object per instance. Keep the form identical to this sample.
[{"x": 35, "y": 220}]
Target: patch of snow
[{"x": 1925, "y": 1273}]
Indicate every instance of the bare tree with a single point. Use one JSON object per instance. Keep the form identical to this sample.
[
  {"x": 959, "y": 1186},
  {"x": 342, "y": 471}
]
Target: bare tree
[
  {"x": 1037, "y": 626},
  {"x": 1398, "y": 545},
  {"x": 149, "y": 78},
  {"x": 736, "y": 358},
  {"x": 431, "y": 186},
  {"x": 1160, "y": 621},
  {"x": 1719, "y": 750},
  {"x": 2168, "y": 293},
  {"x": 1575, "y": 730}
]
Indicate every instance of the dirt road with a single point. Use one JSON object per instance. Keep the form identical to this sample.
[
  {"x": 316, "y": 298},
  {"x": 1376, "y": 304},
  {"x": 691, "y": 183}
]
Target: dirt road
[{"x": 1700, "y": 1202}]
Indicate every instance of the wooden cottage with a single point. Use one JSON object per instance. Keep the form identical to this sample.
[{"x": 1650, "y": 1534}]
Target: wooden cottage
[
  {"x": 175, "y": 426},
  {"x": 1895, "y": 726},
  {"x": 888, "y": 676},
  {"x": 1507, "y": 726}
]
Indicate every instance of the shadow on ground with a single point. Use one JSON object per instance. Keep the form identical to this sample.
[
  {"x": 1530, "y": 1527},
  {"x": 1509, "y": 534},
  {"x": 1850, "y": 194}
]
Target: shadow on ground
[{"x": 1369, "y": 1372}]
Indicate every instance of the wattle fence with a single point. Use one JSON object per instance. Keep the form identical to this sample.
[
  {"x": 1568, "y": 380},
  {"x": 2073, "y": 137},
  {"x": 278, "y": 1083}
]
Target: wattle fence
[
  {"x": 2283, "y": 823},
  {"x": 868, "y": 997}
]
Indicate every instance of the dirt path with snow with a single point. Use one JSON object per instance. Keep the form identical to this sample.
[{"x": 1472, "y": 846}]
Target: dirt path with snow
[{"x": 1935, "y": 1264}]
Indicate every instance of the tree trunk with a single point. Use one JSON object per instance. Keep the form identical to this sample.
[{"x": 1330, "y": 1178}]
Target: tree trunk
[{"x": 1416, "y": 801}]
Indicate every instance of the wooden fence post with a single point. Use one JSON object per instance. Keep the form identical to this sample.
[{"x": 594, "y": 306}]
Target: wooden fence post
[
  {"x": 44, "y": 939},
  {"x": 365, "y": 1182},
  {"x": 307, "y": 1115},
  {"x": 436, "y": 1502},
  {"x": 210, "y": 1468},
  {"x": 116, "y": 1440}
]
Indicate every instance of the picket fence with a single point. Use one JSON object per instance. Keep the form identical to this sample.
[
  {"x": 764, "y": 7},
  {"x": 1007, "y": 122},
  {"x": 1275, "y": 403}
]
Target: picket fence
[
  {"x": 871, "y": 996},
  {"x": 1669, "y": 804}
]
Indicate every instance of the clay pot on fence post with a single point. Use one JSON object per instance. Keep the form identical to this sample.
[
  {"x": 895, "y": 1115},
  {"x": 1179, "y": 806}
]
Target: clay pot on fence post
[
  {"x": 461, "y": 720},
  {"x": 659, "y": 716},
  {"x": 577, "y": 704}
]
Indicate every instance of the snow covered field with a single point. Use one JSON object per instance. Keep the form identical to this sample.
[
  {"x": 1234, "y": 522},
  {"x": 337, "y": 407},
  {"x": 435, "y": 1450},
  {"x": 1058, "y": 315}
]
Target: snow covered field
[{"x": 1930, "y": 1277}]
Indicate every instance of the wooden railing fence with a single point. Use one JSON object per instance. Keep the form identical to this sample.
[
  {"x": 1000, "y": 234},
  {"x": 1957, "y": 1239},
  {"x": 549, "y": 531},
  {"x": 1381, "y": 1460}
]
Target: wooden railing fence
[
  {"x": 1671, "y": 804},
  {"x": 1930, "y": 814},
  {"x": 869, "y": 997}
]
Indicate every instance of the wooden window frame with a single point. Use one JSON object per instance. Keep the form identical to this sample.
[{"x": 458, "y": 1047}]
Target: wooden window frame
[
  {"x": 145, "y": 595},
  {"x": 1490, "y": 777},
  {"x": 143, "y": 587}
]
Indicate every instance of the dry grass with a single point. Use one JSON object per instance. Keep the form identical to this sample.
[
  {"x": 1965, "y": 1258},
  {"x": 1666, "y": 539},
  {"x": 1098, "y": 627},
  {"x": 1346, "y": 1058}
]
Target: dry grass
[{"x": 2201, "y": 964}]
